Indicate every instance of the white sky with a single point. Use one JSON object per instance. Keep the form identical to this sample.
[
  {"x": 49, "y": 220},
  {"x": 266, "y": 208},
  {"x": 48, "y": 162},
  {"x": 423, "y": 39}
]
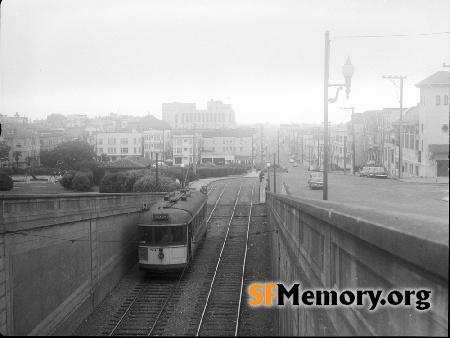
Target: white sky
[{"x": 264, "y": 57}]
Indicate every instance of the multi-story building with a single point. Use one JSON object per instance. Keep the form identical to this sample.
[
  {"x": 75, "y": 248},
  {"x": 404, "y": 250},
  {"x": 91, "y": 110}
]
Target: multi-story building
[
  {"x": 117, "y": 145},
  {"x": 339, "y": 150},
  {"x": 24, "y": 143},
  {"x": 49, "y": 139},
  {"x": 183, "y": 148},
  {"x": 156, "y": 142},
  {"x": 410, "y": 155},
  {"x": 433, "y": 125},
  {"x": 217, "y": 115},
  {"x": 228, "y": 146}
]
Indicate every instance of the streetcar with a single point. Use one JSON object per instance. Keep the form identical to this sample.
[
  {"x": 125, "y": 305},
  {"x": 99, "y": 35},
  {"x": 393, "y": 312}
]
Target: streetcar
[{"x": 171, "y": 230}]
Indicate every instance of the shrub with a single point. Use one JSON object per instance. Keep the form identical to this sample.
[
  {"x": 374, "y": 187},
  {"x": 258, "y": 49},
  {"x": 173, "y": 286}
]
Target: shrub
[
  {"x": 145, "y": 184},
  {"x": 45, "y": 171},
  {"x": 6, "y": 182},
  {"x": 148, "y": 184},
  {"x": 82, "y": 181},
  {"x": 66, "y": 180},
  {"x": 111, "y": 183},
  {"x": 131, "y": 178},
  {"x": 18, "y": 171},
  {"x": 92, "y": 166},
  {"x": 7, "y": 170}
]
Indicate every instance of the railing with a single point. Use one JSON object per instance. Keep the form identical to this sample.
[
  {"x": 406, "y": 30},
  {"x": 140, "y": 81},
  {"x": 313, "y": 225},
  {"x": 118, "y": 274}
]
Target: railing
[{"x": 333, "y": 246}]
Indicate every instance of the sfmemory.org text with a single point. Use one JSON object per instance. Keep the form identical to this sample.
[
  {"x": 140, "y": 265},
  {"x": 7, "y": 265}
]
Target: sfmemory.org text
[{"x": 264, "y": 295}]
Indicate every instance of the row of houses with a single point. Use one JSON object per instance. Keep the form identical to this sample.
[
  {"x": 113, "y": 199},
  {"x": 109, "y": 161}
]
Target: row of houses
[{"x": 373, "y": 137}]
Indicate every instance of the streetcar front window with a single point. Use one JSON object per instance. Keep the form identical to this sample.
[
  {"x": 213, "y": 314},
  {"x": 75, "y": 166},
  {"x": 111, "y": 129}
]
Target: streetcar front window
[{"x": 163, "y": 234}]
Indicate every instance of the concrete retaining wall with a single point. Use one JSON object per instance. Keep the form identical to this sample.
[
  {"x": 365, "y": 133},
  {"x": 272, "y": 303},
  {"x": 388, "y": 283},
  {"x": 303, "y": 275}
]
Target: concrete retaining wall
[
  {"x": 60, "y": 255},
  {"x": 332, "y": 246}
]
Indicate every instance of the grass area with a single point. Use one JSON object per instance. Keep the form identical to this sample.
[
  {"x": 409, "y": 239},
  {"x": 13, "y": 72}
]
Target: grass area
[{"x": 40, "y": 188}]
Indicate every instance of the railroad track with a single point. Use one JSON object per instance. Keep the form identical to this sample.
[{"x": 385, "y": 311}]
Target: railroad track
[
  {"x": 149, "y": 305},
  {"x": 219, "y": 305}
]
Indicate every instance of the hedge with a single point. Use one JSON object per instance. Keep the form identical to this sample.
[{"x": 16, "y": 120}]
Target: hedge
[
  {"x": 66, "y": 180},
  {"x": 111, "y": 183},
  {"x": 82, "y": 181},
  {"x": 148, "y": 184},
  {"x": 6, "y": 182}
]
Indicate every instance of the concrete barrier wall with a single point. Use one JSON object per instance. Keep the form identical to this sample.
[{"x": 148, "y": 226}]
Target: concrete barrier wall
[
  {"x": 332, "y": 246},
  {"x": 60, "y": 255}
]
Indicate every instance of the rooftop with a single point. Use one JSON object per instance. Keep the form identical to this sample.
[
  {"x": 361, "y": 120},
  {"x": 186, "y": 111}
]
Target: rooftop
[{"x": 437, "y": 79}]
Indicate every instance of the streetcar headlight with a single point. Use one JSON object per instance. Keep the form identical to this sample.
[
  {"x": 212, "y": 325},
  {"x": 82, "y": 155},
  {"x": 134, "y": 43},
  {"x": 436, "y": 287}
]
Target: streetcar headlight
[{"x": 161, "y": 255}]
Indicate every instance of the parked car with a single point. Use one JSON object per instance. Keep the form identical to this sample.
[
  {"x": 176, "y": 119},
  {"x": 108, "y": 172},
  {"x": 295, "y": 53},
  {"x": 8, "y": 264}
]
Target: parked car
[
  {"x": 315, "y": 180},
  {"x": 295, "y": 164},
  {"x": 380, "y": 172},
  {"x": 313, "y": 167},
  {"x": 208, "y": 164},
  {"x": 364, "y": 172},
  {"x": 321, "y": 169},
  {"x": 291, "y": 160},
  {"x": 160, "y": 165},
  {"x": 284, "y": 169}
]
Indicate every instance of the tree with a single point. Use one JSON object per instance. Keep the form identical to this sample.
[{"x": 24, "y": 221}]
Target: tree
[
  {"x": 16, "y": 154},
  {"x": 68, "y": 152},
  {"x": 104, "y": 158},
  {"x": 48, "y": 158},
  {"x": 30, "y": 162},
  {"x": 4, "y": 149}
]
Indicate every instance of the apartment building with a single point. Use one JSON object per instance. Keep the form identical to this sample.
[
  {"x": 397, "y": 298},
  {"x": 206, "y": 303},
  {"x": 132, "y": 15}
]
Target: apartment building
[
  {"x": 433, "y": 125},
  {"x": 228, "y": 146},
  {"x": 117, "y": 145},
  {"x": 24, "y": 142},
  {"x": 183, "y": 148},
  {"x": 157, "y": 142},
  {"x": 217, "y": 115}
]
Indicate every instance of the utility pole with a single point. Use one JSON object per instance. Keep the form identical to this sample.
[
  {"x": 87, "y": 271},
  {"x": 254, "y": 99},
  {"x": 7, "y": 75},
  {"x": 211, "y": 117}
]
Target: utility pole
[
  {"x": 261, "y": 166},
  {"x": 400, "y": 127},
  {"x": 274, "y": 175},
  {"x": 345, "y": 155},
  {"x": 301, "y": 134},
  {"x": 157, "y": 182},
  {"x": 354, "y": 139},
  {"x": 318, "y": 146},
  {"x": 194, "y": 164},
  {"x": 278, "y": 145}
]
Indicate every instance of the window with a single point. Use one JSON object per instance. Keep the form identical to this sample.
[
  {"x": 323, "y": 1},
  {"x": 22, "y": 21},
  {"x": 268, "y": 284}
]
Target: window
[
  {"x": 100, "y": 141},
  {"x": 100, "y": 150},
  {"x": 446, "y": 100},
  {"x": 438, "y": 100},
  {"x": 111, "y": 141},
  {"x": 135, "y": 150},
  {"x": 123, "y": 141},
  {"x": 124, "y": 150},
  {"x": 111, "y": 150}
]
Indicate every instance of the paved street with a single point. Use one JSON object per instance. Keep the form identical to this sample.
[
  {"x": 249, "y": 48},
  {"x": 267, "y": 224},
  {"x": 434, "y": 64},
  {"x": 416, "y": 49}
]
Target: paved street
[{"x": 383, "y": 194}]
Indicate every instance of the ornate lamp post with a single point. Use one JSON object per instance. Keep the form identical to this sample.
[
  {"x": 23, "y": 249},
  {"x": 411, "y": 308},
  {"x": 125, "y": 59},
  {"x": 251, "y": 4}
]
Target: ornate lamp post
[{"x": 347, "y": 71}]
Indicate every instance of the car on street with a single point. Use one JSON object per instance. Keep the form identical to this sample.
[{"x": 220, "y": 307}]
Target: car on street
[
  {"x": 313, "y": 167},
  {"x": 364, "y": 172},
  {"x": 379, "y": 172},
  {"x": 208, "y": 164},
  {"x": 295, "y": 164},
  {"x": 160, "y": 165},
  {"x": 315, "y": 180},
  {"x": 291, "y": 160}
]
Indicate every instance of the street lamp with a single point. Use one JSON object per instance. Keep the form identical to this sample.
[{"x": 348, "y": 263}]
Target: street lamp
[{"x": 347, "y": 71}]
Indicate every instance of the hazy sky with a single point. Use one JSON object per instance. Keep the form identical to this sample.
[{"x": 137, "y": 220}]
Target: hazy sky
[{"x": 264, "y": 57}]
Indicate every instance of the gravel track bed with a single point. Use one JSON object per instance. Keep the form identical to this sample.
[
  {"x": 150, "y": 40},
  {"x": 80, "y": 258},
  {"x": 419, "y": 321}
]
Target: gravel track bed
[{"x": 187, "y": 299}]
